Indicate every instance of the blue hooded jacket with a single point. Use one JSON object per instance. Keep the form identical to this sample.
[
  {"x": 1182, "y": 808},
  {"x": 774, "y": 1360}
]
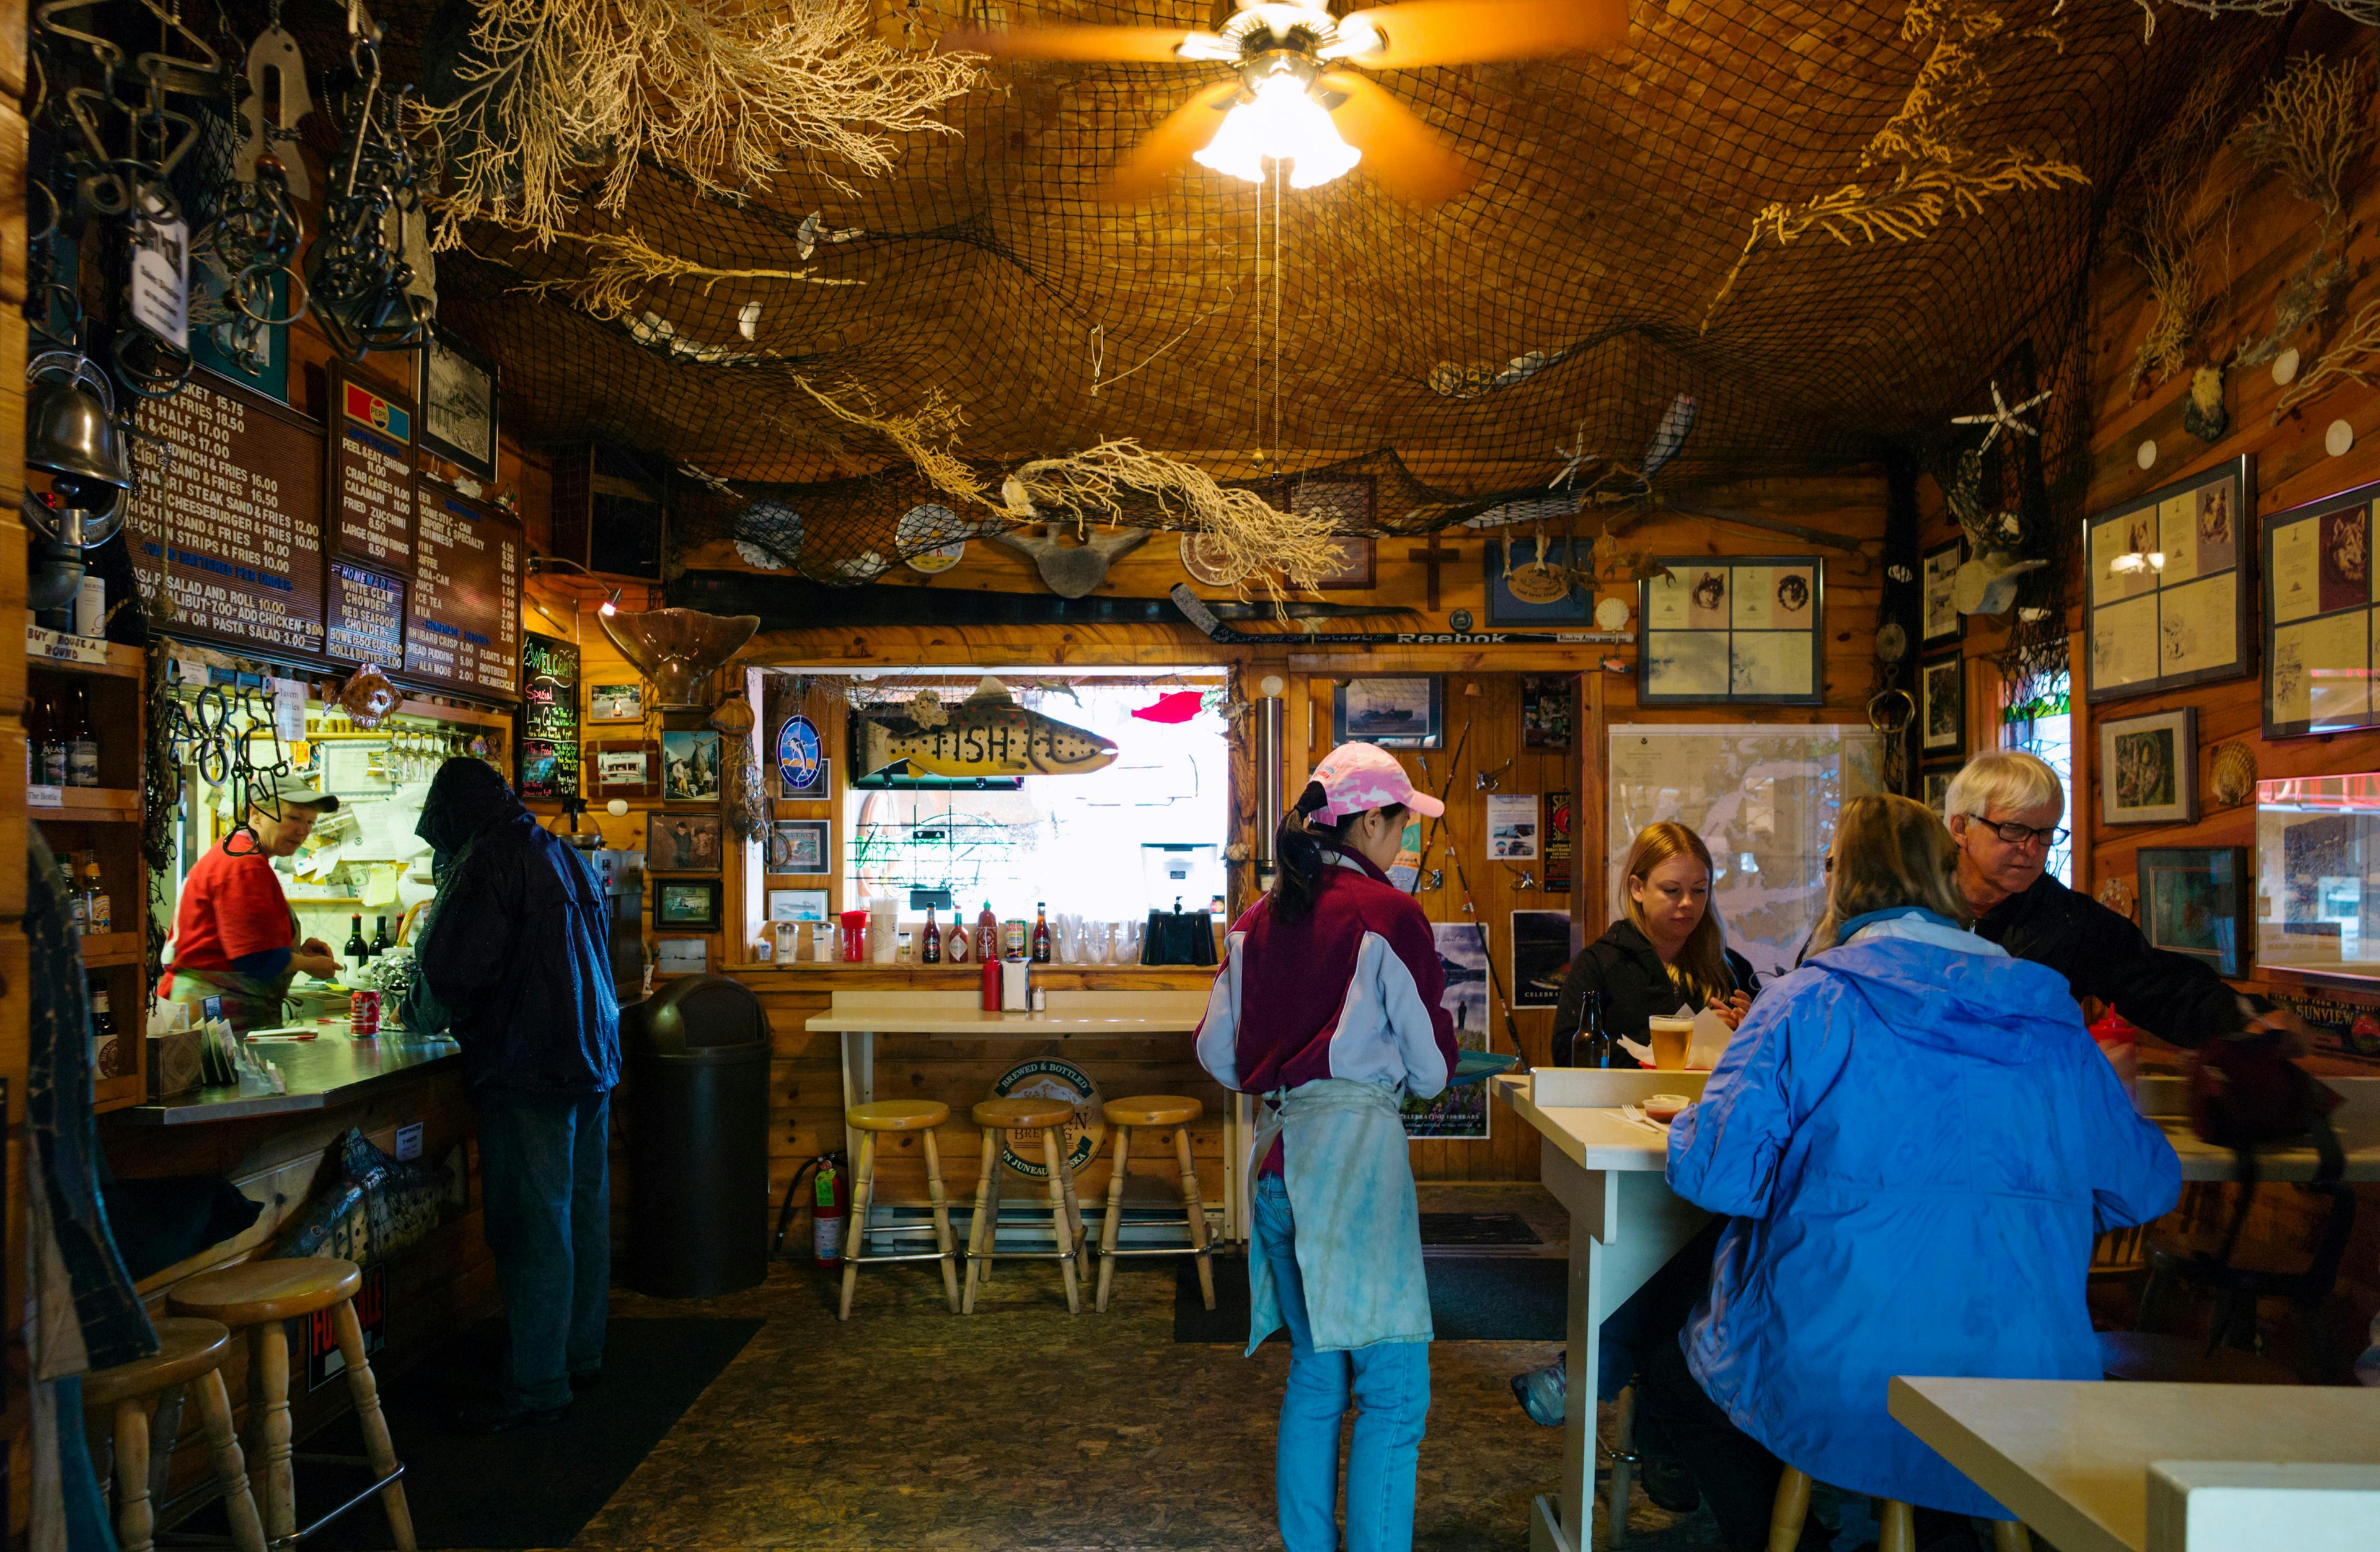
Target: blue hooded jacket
[{"x": 1917, "y": 1140}]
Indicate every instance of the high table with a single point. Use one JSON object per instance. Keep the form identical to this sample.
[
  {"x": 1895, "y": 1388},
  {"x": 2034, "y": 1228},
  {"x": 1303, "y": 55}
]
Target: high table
[{"x": 1626, "y": 1222}]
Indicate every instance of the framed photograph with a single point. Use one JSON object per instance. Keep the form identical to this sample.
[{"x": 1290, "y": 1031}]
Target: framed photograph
[
  {"x": 2148, "y": 768},
  {"x": 682, "y": 842},
  {"x": 1937, "y": 582},
  {"x": 1522, "y": 593},
  {"x": 682, "y": 956},
  {"x": 1404, "y": 711},
  {"x": 623, "y": 767},
  {"x": 798, "y": 905},
  {"x": 801, "y": 760},
  {"x": 693, "y": 902},
  {"x": 616, "y": 703},
  {"x": 2318, "y": 618},
  {"x": 458, "y": 403},
  {"x": 2167, "y": 578},
  {"x": 690, "y": 766},
  {"x": 2194, "y": 901},
  {"x": 1356, "y": 569},
  {"x": 1942, "y": 707},
  {"x": 800, "y": 846},
  {"x": 1545, "y": 710},
  {"x": 1748, "y": 629},
  {"x": 1935, "y": 788}
]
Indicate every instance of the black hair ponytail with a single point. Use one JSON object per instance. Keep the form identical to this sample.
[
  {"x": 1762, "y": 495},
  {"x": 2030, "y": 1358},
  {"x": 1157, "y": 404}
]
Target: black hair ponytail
[{"x": 1298, "y": 845}]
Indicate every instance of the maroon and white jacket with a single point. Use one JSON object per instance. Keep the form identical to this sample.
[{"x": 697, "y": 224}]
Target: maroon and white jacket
[{"x": 1352, "y": 991}]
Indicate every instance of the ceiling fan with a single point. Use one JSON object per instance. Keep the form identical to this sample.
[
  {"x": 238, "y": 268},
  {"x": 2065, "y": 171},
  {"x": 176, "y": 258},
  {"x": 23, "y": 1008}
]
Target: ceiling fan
[{"x": 1291, "y": 100}]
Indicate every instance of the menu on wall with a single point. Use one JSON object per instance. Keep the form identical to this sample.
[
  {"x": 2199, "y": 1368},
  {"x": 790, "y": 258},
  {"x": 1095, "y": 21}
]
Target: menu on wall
[
  {"x": 372, "y": 474},
  {"x": 366, "y": 617},
  {"x": 228, "y": 510},
  {"x": 462, "y": 623},
  {"x": 549, "y": 717}
]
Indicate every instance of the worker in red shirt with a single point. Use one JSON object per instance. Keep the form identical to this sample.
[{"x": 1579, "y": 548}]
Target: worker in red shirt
[{"x": 235, "y": 936}]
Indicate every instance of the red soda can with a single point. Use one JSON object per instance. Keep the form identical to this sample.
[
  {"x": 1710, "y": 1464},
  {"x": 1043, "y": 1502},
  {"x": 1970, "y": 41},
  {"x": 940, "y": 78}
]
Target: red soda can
[{"x": 363, "y": 1013}]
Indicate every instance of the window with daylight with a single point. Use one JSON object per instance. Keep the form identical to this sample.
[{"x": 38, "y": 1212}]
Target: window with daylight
[{"x": 2044, "y": 725}]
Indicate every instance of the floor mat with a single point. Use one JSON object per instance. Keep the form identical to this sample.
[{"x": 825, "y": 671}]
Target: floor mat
[
  {"x": 533, "y": 1488},
  {"x": 1482, "y": 1299},
  {"x": 1476, "y": 1228}
]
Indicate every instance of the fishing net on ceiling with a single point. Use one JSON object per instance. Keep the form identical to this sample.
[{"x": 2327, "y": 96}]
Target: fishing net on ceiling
[{"x": 1761, "y": 239}]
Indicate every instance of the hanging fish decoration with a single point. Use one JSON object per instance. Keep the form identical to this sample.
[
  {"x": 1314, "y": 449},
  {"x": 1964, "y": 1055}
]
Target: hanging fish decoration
[
  {"x": 1669, "y": 436},
  {"x": 986, "y": 734}
]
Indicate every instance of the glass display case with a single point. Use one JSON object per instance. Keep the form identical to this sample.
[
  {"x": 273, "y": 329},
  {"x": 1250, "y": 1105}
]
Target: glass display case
[{"x": 2318, "y": 877}]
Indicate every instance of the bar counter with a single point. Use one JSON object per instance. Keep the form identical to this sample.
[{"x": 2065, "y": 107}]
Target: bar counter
[{"x": 330, "y": 1069}]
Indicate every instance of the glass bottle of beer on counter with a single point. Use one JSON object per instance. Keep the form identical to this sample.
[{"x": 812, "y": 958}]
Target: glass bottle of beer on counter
[
  {"x": 358, "y": 951},
  {"x": 987, "y": 934},
  {"x": 930, "y": 952},
  {"x": 1594, "y": 1048},
  {"x": 1040, "y": 932}
]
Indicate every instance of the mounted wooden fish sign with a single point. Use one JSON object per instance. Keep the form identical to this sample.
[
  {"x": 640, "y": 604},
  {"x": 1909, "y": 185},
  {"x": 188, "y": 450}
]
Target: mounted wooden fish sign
[{"x": 987, "y": 735}]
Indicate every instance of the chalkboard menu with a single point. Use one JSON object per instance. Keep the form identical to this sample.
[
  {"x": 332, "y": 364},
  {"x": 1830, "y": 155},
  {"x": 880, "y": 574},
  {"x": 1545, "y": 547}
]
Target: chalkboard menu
[
  {"x": 372, "y": 474},
  {"x": 229, "y": 511},
  {"x": 367, "y": 616},
  {"x": 462, "y": 623},
  {"x": 549, "y": 717}
]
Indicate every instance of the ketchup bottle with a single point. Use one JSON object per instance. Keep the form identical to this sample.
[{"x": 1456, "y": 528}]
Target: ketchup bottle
[{"x": 991, "y": 973}]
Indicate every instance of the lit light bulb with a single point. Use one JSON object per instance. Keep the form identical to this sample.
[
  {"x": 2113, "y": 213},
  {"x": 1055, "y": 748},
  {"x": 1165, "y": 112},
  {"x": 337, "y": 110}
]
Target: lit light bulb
[{"x": 1284, "y": 124}]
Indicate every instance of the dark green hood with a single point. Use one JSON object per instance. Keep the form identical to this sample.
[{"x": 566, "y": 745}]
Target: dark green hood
[{"x": 467, "y": 798}]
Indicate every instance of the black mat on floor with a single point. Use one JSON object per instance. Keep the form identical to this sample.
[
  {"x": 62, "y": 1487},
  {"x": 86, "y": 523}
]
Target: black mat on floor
[
  {"x": 1483, "y": 1299},
  {"x": 1476, "y": 1228},
  {"x": 533, "y": 1488}
]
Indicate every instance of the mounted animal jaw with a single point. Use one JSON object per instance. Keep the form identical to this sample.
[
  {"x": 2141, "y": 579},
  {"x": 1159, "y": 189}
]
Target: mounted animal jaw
[{"x": 1073, "y": 570}]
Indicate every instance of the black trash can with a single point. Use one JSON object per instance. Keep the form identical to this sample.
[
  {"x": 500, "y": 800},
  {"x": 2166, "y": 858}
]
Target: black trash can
[{"x": 697, "y": 1053}]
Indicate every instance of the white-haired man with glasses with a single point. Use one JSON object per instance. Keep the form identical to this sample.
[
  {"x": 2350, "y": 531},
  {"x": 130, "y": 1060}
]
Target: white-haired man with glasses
[{"x": 2003, "y": 810}]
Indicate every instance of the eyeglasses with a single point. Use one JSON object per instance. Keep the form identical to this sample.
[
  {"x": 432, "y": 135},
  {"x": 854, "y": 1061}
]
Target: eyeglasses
[{"x": 2017, "y": 834}]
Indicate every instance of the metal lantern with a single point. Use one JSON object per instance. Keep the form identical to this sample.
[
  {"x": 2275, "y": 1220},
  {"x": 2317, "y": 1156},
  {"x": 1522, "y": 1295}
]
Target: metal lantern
[{"x": 72, "y": 435}]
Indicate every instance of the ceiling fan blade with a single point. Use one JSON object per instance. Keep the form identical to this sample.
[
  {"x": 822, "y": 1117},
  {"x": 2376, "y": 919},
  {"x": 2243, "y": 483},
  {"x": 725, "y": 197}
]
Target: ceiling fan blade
[
  {"x": 1471, "y": 31},
  {"x": 1399, "y": 152},
  {"x": 1153, "y": 44},
  {"x": 1167, "y": 148}
]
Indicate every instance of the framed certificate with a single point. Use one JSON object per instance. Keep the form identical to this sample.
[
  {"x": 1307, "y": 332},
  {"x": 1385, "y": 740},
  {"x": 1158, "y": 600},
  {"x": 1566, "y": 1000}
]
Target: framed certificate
[
  {"x": 1733, "y": 628},
  {"x": 2319, "y": 630},
  {"x": 2167, "y": 583}
]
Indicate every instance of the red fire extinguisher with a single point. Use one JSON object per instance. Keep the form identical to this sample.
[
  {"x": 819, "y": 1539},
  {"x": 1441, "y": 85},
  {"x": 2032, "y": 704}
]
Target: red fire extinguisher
[{"x": 830, "y": 1212}]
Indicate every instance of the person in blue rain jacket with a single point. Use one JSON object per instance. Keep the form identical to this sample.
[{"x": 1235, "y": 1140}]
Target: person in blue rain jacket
[{"x": 1914, "y": 1141}]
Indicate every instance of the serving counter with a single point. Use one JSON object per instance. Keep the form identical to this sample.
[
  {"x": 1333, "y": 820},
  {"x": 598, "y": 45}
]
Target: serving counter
[{"x": 331, "y": 1068}]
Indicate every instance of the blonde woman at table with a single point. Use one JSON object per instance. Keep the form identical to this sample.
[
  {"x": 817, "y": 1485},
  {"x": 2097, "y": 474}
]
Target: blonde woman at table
[
  {"x": 1666, "y": 950},
  {"x": 1914, "y": 1141},
  {"x": 1328, "y": 1004}
]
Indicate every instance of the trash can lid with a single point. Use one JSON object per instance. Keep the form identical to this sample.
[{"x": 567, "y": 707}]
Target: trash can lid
[{"x": 696, "y": 1015}]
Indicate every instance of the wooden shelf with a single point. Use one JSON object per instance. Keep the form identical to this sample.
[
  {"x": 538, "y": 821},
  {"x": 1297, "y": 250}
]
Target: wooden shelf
[
  {"x": 101, "y": 949},
  {"x": 122, "y": 662},
  {"x": 116, "y": 1094},
  {"x": 92, "y": 805}
]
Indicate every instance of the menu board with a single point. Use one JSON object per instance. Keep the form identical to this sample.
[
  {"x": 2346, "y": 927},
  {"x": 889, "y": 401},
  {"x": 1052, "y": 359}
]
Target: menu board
[
  {"x": 367, "y": 616},
  {"x": 2166, "y": 585},
  {"x": 462, "y": 623},
  {"x": 372, "y": 474},
  {"x": 549, "y": 717},
  {"x": 229, "y": 509},
  {"x": 2320, "y": 595}
]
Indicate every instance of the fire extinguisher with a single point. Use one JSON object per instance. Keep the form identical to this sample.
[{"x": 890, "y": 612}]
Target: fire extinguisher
[{"x": 830, "y": 1212}]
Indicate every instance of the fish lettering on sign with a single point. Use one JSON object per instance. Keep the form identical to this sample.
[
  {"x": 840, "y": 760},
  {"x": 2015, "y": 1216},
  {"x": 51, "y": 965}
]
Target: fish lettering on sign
[{"x": 987, "y": 735}]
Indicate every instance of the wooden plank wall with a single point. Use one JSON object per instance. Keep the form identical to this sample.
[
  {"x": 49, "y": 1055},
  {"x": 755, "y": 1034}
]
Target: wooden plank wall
[
  {"x": 2259, "y": 233},
  {"x": 14, "y": 979}
]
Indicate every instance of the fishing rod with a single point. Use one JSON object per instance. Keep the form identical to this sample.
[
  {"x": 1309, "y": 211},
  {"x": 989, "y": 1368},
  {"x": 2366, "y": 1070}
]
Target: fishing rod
[
  {"x": 1453, "y": 763},
  {"x": 1195, "y": 609}
]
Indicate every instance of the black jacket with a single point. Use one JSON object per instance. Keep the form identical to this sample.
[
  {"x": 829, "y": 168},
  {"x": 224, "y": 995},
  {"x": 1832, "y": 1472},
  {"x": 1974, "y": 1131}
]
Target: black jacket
[
  {"x": 515, "y": 947},
  {"x": 2101, "y": 954},
  {"x": 1635, "y": 986}
]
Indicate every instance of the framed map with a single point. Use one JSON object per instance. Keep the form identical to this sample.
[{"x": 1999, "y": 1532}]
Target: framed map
[
  {"x": 1733, "y": 630},
  {"x": 2320, "y": 635},
  {"x": 2166, "y": 585}
]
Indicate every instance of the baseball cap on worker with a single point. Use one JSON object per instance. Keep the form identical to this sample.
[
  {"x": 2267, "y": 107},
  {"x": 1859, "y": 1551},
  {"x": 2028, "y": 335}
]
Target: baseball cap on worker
[
  {"x": 298, "y": 792},
  {"x": 1358, "y": 777}
]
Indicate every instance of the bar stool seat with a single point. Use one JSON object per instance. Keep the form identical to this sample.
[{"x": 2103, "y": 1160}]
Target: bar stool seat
[
  {"x": 190, "y": 1353},
  {"x": 1156, "y": 1110},
  {"x": 260, "y": 1296},
  {"x": 1007, "y": 1118},
  {"x": 920, "y": 1116}
]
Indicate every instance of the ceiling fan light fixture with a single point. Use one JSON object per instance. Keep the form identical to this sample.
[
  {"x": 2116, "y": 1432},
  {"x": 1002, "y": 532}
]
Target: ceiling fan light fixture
[{"x": 1283, "y": 123}]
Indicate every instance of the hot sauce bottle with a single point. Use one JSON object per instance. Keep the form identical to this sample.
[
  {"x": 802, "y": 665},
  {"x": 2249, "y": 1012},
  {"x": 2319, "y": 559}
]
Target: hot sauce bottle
[{"x": 987, "y": 934}]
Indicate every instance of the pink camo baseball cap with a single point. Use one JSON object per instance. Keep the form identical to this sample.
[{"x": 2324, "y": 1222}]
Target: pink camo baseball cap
[{"x": 1357, "y": 777}]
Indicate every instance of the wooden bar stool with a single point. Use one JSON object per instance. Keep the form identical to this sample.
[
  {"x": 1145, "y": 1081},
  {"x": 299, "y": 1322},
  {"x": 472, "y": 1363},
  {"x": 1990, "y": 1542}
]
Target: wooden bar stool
[
  {"x": 1895, "y": 1519},
  {"x": 1002, "y": 1120},
  {"x": 190, "y": 1353},
  {"x": 1156, "y": 1111},
  {"x": 898, "y": 1115},
  {"x": 257, "y": 1296}
]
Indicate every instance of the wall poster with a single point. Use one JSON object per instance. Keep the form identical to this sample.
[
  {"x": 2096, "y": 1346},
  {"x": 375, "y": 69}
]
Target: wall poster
[
  {"x": 2166, "y": 585},
  {"x": 1748, "y": 628},
  {"x": 1458, "y": 1112},
  {"x": 549, "y": 717},
  {"x": 2319, "y": 633}
]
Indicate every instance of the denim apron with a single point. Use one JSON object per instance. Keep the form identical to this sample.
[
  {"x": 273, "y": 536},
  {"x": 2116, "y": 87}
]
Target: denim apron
[{"x": 1351, "y": 1192}]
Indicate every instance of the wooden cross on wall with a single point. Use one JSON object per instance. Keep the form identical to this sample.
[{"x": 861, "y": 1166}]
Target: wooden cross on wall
[{"x": 1432, "y": 558}]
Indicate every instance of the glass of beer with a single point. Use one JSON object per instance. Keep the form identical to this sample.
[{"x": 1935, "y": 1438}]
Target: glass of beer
[{"x": 1669, "y": 1036}]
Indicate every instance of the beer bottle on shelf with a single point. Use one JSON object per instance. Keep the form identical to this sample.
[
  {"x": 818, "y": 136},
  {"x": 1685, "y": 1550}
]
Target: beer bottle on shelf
[
  {"x": 103, "y": 1048},
  {"x": 83, "y": 746},
  {"x": 54, "y": 744},
  {"x": 37, "y": 717},
  {"x": 99, "y": 911},
  {"x": 987, "y": 934},
  {"x": 357, "y": 951},
  {"x": 1042, "y": 932},
  {"x": 930, "y": 950}
]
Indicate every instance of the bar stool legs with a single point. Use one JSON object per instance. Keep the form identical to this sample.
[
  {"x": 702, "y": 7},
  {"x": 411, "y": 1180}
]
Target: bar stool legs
[
  {"x": 920, "y": 1116},
  {"x": 1623, "y": 1470},
  {"x": 268, "y": 1346},
  {"x": 1194, "y": 1208},
  {"x": 856, "y": 1234},
  {"x": 1788, "y": 1509},
  {"x": 1115, "y": 1216},
  {"x": 1896, "y": 1521},
  {"x": 230, "y": 1462},
  {"x": 364, "y": 1390},
  {"x": 940, "y": 1200},
  {"x": 1155, "y": 1113},
  {"x": 189, "y": 1360},
  {"x": 1000, "y": 1121},
  {"x": 1065, "y": 1216},
  {"x": 982, "y": 1227}
]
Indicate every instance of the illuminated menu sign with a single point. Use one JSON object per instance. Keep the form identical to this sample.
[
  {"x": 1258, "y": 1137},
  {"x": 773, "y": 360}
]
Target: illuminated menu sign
[
  {"x": 372, "y": 475},
  {"x": 228, "y": 511},
  {"x": 549, "y": 718},
  {"x": 462, "y": 623},
  {"x": 367, "y": 616}
]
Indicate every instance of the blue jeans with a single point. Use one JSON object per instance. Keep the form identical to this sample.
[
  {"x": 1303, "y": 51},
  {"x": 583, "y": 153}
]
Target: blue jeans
[
  {"x": 1388, "y": 1384},
  {"x": 546, "y": 1186}
]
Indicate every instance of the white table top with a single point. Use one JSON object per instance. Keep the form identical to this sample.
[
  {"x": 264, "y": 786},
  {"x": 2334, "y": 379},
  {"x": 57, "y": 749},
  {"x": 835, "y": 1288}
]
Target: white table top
[
  {"x": 2071, "y": 1458},
  {"x": 1070, "y": 1015},
  {"x": 1593, "y": 1138}
]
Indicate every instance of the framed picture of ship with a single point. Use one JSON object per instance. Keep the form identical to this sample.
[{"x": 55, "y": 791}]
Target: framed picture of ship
[{"x": 1397, "y": 711}]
